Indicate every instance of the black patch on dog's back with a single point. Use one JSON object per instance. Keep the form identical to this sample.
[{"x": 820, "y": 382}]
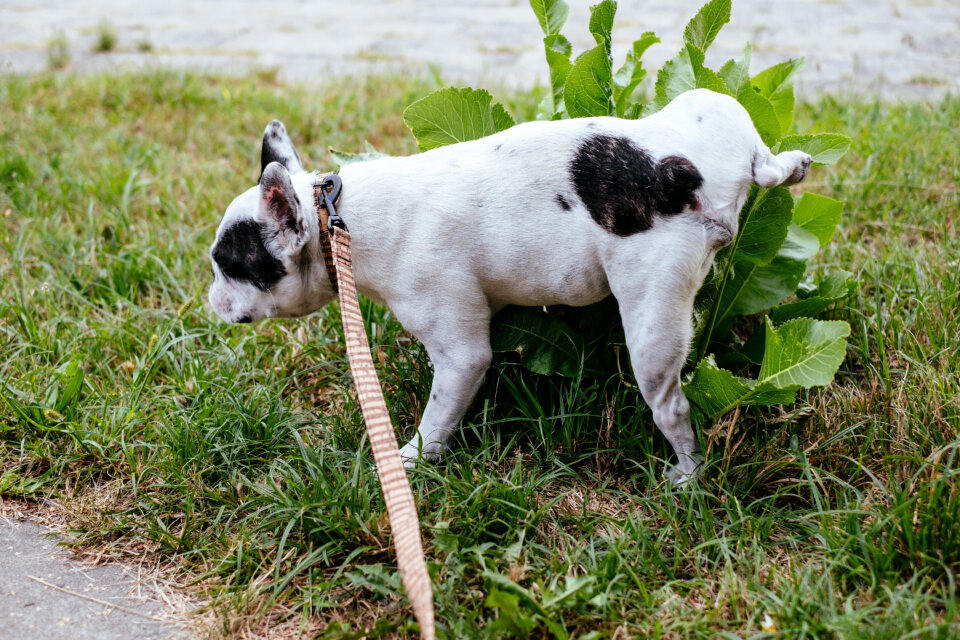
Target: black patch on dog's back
[
  {"x": 242, "y": 256},
  {"x": 623, "y": 188}
]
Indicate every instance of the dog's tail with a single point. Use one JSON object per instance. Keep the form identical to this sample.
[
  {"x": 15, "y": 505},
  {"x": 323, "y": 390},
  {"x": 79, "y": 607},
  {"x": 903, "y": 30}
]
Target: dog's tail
[{"x": 677, "y": 181}]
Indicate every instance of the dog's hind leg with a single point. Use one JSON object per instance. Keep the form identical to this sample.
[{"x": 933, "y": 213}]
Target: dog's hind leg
[
  {"x": 459, "y": 347},
  {"x": 658, "y": 324}
]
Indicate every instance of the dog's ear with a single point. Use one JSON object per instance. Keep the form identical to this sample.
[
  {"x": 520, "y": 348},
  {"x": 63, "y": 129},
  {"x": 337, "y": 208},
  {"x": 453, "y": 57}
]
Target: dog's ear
[
  {"x": 277, "y": 147},
  {"x": 280, "y": 207}
]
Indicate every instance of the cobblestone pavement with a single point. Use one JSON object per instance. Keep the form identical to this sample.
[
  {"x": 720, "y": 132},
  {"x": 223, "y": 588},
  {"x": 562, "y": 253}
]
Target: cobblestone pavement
[{"x": 890, "y": 48}]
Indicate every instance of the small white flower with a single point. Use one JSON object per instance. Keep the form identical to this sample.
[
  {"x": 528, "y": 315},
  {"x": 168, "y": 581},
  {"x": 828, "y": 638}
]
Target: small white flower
[{"x": 768, "y": 624}]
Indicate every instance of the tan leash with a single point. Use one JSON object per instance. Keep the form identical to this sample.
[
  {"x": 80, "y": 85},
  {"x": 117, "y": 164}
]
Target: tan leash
[{"x": 401, "y": 510}]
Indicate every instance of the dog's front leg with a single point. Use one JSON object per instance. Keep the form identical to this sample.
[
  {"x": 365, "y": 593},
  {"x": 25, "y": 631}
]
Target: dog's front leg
[{"x": 459, "y": 348}]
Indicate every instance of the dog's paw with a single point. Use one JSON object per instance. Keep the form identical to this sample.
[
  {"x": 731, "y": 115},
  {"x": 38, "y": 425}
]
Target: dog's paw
[
  {"x": 412, "y": 454},
  {"x": 678, "y": 478},
  {"x": 801, "y": 167},
  {"x": 685, "y": 471}
]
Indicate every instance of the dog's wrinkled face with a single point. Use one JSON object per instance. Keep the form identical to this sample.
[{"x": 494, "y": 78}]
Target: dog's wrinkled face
[{"x": 262, "y": 256}]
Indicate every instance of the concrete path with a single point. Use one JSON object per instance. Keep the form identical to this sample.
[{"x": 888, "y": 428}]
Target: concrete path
[
  {"x": 36, "y": 576},
  {"x": 891, "y": 48}
]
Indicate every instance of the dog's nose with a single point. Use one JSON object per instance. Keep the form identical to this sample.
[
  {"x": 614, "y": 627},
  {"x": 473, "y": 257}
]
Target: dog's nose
[{"x": 245, "y": 319}]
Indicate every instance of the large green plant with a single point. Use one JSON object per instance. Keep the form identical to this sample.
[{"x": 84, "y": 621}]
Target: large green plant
[{"x": 756, "y": 274}]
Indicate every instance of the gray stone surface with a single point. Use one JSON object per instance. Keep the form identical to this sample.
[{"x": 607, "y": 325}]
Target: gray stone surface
[
  {"x": 30, "y": 610},
  {"x": 908, "y": 48}
]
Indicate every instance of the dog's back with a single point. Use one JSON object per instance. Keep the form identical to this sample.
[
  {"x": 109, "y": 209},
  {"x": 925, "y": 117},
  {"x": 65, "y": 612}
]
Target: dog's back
[{"x": 552, "y": 199}]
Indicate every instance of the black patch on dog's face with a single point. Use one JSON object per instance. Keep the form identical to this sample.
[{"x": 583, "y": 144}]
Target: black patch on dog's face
[
  {"x": 563, "y": 202},
  {"x": 623, "y": 188},
  {"x": 242, "y": 256}
]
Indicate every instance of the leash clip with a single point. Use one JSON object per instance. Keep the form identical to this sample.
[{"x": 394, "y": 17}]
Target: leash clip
[{"x": 327, "y": 200}]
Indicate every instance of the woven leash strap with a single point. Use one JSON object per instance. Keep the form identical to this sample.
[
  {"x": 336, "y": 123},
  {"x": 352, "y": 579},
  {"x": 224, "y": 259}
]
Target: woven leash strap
[{"x": 401, "y": 509}]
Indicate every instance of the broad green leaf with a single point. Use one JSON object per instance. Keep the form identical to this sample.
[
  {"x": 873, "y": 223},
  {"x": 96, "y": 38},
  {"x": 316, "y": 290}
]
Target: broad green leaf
[
  {"x": 764, "y": 222},
  {"x": 551, "y": 14},
  {"x": 799, "y": 244},
  {"x": 601, "y": 23},
  {"x": 545, "y": 110},
  {"x": 546, "y": 344},
  {"x": 557, "y": 50},
  {"x": 632, "y": 73},
  {"x": 736, "y": 73},
  {"x": 752, "y": 349},
  {"x": 587, "y": 91},
  {"x": 826, "y": 148},
  {"x": 501, "y": 119},
  {"x": 753, "y": 288},
  {"x": 834, "y": 287},
  {"x": 818, "y": 214},
  {"x": 454, "y": 115},
  {"x": 589, "y": 86},
  {"x": 683, "y": 73},
  {"x": 343, "y": 158},
  {"x": 803, "y": 352},
  {"x": 715, "y": 390},
  {"x": 705, "y": 26},
  {"x": 762, "y": 113},
  {"x": 766, "y": 393},
  {"x": 776, "y": 84},
  {"x": 807, "y": 308}
]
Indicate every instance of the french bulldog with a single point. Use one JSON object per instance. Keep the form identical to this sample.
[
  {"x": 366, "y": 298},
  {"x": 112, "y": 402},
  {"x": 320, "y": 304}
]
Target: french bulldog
[{"x": 560, "y": 212}]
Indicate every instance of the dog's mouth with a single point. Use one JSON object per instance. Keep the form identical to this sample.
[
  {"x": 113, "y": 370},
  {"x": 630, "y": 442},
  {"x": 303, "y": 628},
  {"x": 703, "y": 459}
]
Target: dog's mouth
[{"x": 226, "y": 306}]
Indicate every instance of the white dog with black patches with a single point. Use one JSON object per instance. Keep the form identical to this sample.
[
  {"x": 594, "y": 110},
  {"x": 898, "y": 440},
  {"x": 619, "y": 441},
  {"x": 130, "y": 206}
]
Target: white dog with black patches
[{"x": 545, "y": 213}]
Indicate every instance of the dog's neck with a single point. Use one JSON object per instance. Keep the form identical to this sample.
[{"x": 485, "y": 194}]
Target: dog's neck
[{"x": 310, "y": 262}]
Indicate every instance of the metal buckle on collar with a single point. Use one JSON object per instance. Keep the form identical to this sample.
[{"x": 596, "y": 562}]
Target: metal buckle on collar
[{"x": 326, "y": 200}]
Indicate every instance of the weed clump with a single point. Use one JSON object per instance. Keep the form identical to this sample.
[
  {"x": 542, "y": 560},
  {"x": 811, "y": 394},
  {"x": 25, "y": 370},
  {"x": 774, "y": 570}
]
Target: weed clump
[
  {"x": 58, "y": 51},
  {"x": 106, "y": 37}
]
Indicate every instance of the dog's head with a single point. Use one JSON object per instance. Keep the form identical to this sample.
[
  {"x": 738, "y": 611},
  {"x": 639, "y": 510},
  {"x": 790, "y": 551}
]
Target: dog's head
[{"x": 264, "y": 258}]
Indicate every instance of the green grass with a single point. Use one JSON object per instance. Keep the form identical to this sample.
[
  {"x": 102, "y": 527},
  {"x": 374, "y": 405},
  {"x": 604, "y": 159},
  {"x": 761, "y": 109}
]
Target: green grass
[{"x": 238, "y": 451}]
